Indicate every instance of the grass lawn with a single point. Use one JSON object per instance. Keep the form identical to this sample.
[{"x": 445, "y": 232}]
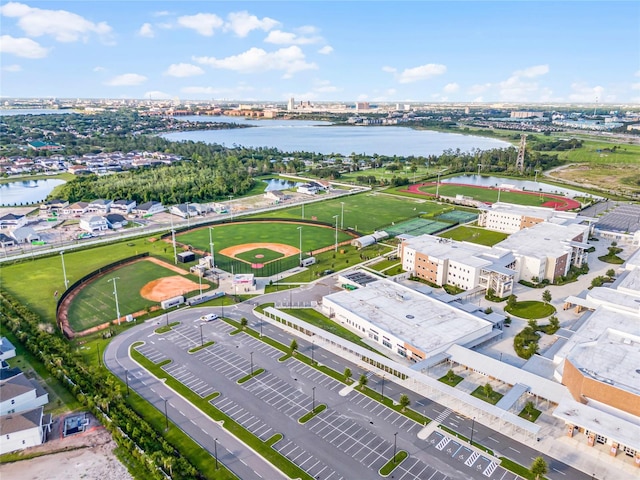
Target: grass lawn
[
  {"x": 259, "y": 255},
  {"x": 533, "y": 417},
  {"x": 487, "y": 195},
  {"x": 364, "y": 212},
  {"x": 384, "y": 264},
  {"x": 531, "y": 309},
  {"x": 453, "y": 381},
  {"x": 95, "y": 303},
  {"x": 382, "y": 173},
  {"x": 229, "y": 235},
  {"x": 613, "y": 259},
  {"x": 475, "y": 235},
  {"x": 493, "y": 399}
]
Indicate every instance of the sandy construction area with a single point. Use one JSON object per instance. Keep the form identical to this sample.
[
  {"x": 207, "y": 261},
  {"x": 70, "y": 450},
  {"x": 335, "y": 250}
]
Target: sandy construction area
[{"x": 167, "y": 287}]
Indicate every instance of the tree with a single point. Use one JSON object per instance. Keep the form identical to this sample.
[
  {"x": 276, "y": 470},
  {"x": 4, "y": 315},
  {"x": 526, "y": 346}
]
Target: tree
[
  {"x": 293, "y": 346},
  {"x": 491, "y": 292},
  {"x": 487, "y": 389},
  {"x": 539, "y": 467},
  {"x": 404, "y": 401},
  {"x": 555, "y": 324},
  {"x": 533, "y": 324},
  {"x": 511, "y": 301},
  {"x": 546, "y": 296},
  {"x": 451, "y": 375},
  {"x": 362, "y": 382},
  {"x": 243, "y": 322},
  {"x": 611, "y": 273},
  {"x": 347, "y": 374},
  {"x": 529, "y": 408}
]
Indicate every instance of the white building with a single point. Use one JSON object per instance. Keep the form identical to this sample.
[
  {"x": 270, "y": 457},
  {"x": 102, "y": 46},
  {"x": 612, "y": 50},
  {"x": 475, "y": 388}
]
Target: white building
[
  {"x": 123, "y": 207},
  {"x": 404, "y": 321},
  {"x": 7, "y": 350},
  {"x": 18, "y": 394},
  {"x": 510, "y": 218},
  {"x": 94, "y": 224},
  {"x": 149, "y": 208},
  {"x": 23, "y": 430}
]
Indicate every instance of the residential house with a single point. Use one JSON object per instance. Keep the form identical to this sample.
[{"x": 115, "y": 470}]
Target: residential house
[
  {"x": 11, "y": 220},
  {"x": 55, "y": 205},
  {"x": 185, "y": 210},
  {"x": 94, "y": 224},
  {"x": 99, "y": 206},
  {"x": 149, "y": 208},
  {"x": 24, "y": 430},
  {"x": 25, "y": 235},
  {"x": 18, "y": 394},
  {"x": 116, "y": 221},
  {"x": 38, "y": 146},
  {"x": 6, "y": 241},
  {"x": 78, "y": 169},
  {"x": 7, "y": 350},
  {"x": 276, "y": 195},
  {"x": 123, "y": 207},
  {"x": 76, "y": 209},
  {"x": 309, "y": 188}
]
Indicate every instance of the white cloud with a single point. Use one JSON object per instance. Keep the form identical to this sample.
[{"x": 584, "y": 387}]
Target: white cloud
[
  {"x": 326, "y": 50},
  {"x": 62, "y": 25},
  {"x": 182, "y": 70},
  {"x": 241, "y": 23},
  {"x": 230, "y": 92},
  {"x": 479, "y": 88},
  {"x": 451, "y": 88},
  {"x": 637, "y": 74},
  {"x": 157, "y": 95},
  {"x": 22, "y": 47},
  {"x": 99, "y": 69},
  {"x": 279, "y": 37},
  {"x": 203, "y": 23},
  {"x": 290, "y": 60},
  {"x": 635, "y": 86},
  {"x": 126, "y": 80},
  {"x": 531, "y": 72},
  {"x": 581, "y": 92},
  {"x": 363, "y": 97},
  {"x": 423, "y": 72},
  {"x": 12, "y": 68},
  {"x": 161, "y": 13},
  {"x": 389, "y": 69},
  {"x": 146, "y": 30}
]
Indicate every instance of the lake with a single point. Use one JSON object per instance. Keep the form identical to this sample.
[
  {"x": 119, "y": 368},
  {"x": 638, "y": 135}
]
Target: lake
[
  {"x": 279, "y": 184},
  {"x": 320, "y": 137},
  {"x": 528, "y": 185},
  {"x": 27, "y": 191}
]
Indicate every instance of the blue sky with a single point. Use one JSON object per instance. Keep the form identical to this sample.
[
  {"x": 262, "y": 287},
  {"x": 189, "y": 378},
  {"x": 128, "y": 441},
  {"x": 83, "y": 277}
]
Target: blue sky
[{"x": 507, "y": 51}]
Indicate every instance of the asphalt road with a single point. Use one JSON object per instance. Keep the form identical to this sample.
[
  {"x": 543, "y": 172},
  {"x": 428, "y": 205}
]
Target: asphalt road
[{"x": 366, "y": 428}]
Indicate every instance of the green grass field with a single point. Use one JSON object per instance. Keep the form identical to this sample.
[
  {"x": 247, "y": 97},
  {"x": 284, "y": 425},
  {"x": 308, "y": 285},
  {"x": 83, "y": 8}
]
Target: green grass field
[
  {"x": 364, "y": 212},
  {"x": 259, "y": 255},
  {"x": 95, "y": 304},
  {"x": 228, "y": 235},
  {"x": 475, "y": 235},
  {"x": 531, "y": 309},
  {"x": 486, "y": 195}
]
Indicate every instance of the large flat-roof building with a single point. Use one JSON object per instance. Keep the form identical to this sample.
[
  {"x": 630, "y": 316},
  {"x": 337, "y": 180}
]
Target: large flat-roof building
[
  {"x": 405, "y": 321},
  {"x": 511, "y": 218}
]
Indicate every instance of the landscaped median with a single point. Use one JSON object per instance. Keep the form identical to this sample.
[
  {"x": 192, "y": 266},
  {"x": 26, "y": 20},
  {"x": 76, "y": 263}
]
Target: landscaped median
[
  {"x": 166, "y": 328},
  {"x": 309, "y": 415},
  {"x": 391, "y": 465},
  {"x": 264, "y": 450}
]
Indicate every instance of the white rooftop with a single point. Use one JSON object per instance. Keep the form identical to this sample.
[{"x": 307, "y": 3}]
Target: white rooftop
[
  {"x": 614, "y": 299},
  {"x": 529, "y": 211},
  {"x": 633, "y": 261},
  {"x": 542, "y": 240},
  {"x": 417, "y": 319}
]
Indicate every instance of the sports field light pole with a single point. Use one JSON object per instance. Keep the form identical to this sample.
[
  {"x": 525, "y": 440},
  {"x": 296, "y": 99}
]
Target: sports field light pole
[
  {"x": 213, "y": 258},
  {"x": 231, "y": 206},
  {"x": 342, "y": 215},
  {"x": 336, "y": 217},
  {"x": 499, "y": 190},
  {"x": 200, "y": 281},
  {"x": 300, "y": 255},
  {"x": 64, "y": 271},
  {"x": 536, "y": 179},
  {"x": 115, "y": 294},
  {"x": 173, "y": 241},
  {"x": 438, "y": 186}
]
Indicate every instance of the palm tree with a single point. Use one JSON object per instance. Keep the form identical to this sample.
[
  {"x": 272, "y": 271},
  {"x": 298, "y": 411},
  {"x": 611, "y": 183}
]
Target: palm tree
[
  {"x": 404, "y": 401},
  {"x": 539, "y": 467},
  {"x": 362, "y": 382}
]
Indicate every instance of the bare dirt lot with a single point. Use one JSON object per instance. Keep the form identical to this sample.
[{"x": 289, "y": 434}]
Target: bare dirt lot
[{"x": 88, "y": 456}]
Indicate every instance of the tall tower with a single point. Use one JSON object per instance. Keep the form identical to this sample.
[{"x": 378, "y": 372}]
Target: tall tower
[
  {"x": 520, "y": 159},
  {"x": 291, "y": 105}
]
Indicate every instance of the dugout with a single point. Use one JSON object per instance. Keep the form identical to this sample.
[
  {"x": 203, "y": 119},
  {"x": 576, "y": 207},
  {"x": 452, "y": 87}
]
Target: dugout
[{"x": 186, "y": 257}]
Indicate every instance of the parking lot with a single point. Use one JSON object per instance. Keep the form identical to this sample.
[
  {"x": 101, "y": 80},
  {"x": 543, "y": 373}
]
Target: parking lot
[{"x": 352, "y": 438}]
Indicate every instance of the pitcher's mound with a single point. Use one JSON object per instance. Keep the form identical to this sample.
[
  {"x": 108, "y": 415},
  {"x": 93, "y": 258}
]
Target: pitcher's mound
[{"x": 167, "y": 287}]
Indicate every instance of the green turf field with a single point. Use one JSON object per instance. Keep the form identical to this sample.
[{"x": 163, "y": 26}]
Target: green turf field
[
  {"x": 487, "y": 195},
  {"x": 475, "y": 235},
  {"x": 229, "y": 235},
  {"x": 259, "y": 255},
  {"x": 95, "y": 304},
  {"x": 365, "y": 212}
]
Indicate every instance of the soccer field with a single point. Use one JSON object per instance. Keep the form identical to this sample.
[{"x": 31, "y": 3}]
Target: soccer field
[{"x": 475, "y": 235}]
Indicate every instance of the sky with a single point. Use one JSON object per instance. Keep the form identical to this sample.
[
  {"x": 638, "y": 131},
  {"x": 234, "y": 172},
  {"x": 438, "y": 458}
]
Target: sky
[{"x": 347, "y": 51}]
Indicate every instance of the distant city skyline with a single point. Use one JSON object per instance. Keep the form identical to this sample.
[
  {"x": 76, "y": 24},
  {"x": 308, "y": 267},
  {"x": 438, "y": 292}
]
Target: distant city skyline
[{"x": 511, "y": 52}]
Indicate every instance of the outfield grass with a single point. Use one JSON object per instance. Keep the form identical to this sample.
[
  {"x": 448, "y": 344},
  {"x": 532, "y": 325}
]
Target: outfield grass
[
  {"x": 531, "y": 309},
  {"x": 364, "y": 212},
  {"x": 95, "y": 303},
  {"x": 259, "y": 255},
  {"x": 229, "y": 235},
  {"x": 475, "y": 235}
]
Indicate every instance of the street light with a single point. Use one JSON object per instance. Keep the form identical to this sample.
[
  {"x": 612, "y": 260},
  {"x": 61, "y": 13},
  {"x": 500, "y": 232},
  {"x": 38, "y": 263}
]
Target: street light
[
  {"x": 342, "y": 215},
  {"x": 64, "y": 271},
  {"x": 300, "y": 254},
  {"x": 438, "y": 186},
  {"x": 231, "y": 207},
  {"x": 313, "y": 399},
  {"x": 395, "y": 443},
  {"x": 473, "y": 423},
  {"x": 336, "y": 217},
  {"x": 312, "y": 359},
  {"x": 382, "y": 390},
  {"x": 215, "y": 451},
  {"x": 126, "y": 378},
  {"x": 213, "y": 258},
  {"x": 166, "y": 417},
  {"x": 115, "y": 293},
  {"x": 251, "y": 354},
  {"x": 201, "y": 338}
]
